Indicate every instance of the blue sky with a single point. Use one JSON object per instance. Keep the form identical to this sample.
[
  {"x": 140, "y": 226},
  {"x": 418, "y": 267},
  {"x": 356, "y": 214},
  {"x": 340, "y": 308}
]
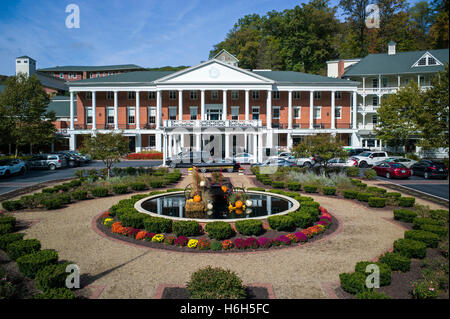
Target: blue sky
[{"x": 148, "y": 33}]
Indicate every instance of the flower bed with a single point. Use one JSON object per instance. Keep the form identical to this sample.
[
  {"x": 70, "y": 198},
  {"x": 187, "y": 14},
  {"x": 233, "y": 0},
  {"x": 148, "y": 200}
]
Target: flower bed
[{"x": 145, "y": 156}]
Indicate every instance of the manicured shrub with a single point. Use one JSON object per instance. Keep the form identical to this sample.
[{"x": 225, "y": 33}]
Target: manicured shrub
[
  {"x": 11, "y": 205},
  {"x": 311, "y": 204},
  {"x": 49, "y": 190},
  {"x": 30, "y": 264},
  {"x": 156, "y": 184},
  {"x": 364, "y": 197},
  {"x": 406, "y": 201},
  {"x": 371, "y": 294},
  {"x": 100, "y": 192},
  {"x": 276, "y": 184},
  {"x": 430, "y": 239},
  {"x": 283, "y": 222},
  {"x": 158, "y": 225},
  {"x": 350, "y": 194},
  {"x": 418, "y": 222},
  {"x": 376, "y": 190},
  {"x": 75, "y": 183},
  {"x": 410, "y": 248},
  {"x": 310, "y": 188},
  {"x": 138, "y": 186},
  {"x": 404, "y": 215},
  {"x": 215, "y": 283},
  {"x": 219, "y": 230},
  {"x": 258, "y": 189},
  {"x": 396, "y": 261},
  {"x": 329, "y": 190},
  {"x": 186, "y": 228},
  {"x": 9, "y": 238},
  {"x": 249, "y": 227},
  {"x": 56, "y": 293},
  {"x": 133, "y": 219},
  {"x": 394, "y": 195},
  {"x": 10, "y": 220},
  {"x": 52, "y": 203},
  {"x": 79, "y": 195},
  {"x": 130, "y": 170},
  {"x": 51, "y": 276},
  {"x": 20, "y": 248},
  {"x": 352, "y": 171},
  {"x": 303, "y": 199},
  {"x": 215, "y": 245},
  {"x": 385, "y": 271},
  {"x": 439, "y": 214},
  {"x": 120, "y": 189},
  {"x": 369, "y": 174},
  {"x": 294, "y": 186},
  {"x": 441, "y": 231},
  {"x": 377, "y": 202},
  {"x": 64, "y": 199},
  {"x": 302, "y": 219},
  {"x": 6, "y": 229},
  {"x": 353, "y": 283}
]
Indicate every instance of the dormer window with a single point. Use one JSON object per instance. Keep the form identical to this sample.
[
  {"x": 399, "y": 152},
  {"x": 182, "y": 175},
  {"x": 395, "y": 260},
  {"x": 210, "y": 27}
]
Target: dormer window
[
  {"x": 422, "y": 62},
  {"x": 431, "y": 61},
  {"x": 427, "y": 60}
]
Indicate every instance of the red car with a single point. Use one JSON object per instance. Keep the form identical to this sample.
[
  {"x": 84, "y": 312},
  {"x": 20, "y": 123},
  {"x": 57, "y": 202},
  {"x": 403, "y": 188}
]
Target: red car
[{"x": 392, "y": 170}]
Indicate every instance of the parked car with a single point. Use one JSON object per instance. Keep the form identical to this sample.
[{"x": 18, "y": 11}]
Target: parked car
[
  {"x": 366, "y": 159},
  {"x": 392, "y": 170},
  {"x": 357, "y": 151},
  {"x": 276, "y": 161},
  {"x": 187, "y": 159},
  {"x": 84, "y": 158},
  {"x": 429, "y": 169},
  {"x": 72, "y": 159},
  {"x": 242, "y": 158},
  {"x": 47, "y": 161},
  {"x": 340, "y": 162},
  {"x": 13, "y": 166},
  {"x": 405, "y": 161}
]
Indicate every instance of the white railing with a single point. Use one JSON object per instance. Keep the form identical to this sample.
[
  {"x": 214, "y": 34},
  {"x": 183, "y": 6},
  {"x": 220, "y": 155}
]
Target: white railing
[
  {"x": 367, "y": 126},
  {"x": 385, "y": 90},
  {"x": 368, "y": 108},
  {"x": 212, "y": 123}
]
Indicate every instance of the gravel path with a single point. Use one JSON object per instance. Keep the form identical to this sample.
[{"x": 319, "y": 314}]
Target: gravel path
[{"x": 134, "y": 272}]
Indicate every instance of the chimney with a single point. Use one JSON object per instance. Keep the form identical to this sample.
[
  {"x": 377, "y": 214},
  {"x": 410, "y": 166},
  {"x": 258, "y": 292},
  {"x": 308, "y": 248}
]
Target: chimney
[{"x": 391, "y": 47}]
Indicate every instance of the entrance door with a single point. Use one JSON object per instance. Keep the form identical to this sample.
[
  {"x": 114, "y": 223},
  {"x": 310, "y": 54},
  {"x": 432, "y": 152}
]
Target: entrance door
[
  {"x": 213, "y": 112},
  {"x": 132, "y": 143}
]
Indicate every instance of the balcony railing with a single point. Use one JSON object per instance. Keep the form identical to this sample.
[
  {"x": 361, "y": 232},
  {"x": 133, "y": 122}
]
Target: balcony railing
[
  {"x": 367, "y": 126},
  {"x": 386, "y": 90},
  {"x": 211, "y": 123}
]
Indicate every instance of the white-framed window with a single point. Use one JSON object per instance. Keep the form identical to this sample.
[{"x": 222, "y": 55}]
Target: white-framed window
[
  {"x": 297, "y": 112},
  {"x": 431, "y": 61},
  {"x": 338, "y": 95},
  {"x": 98, "y": 74},
  {"x": 151, "y": 95},
  {"x": 172, "y": 113},
  {"x": 338, "y": 112},
  {"x": 193, "y": 111},
  {"x": 91, "y": 75},
  {"x": 151, "y": 140},
  {"x": 297, "y": 95},
  {"x": 276, "y": 95},
  {"x": 61, "y": 75},
  {"x": 384, "y": 82},
  {"x": 234, "y": 95},
  {"x": 131, "y": 116},
  {"x": 131, "y": 95},
  {"x": 88, "y": 95},
  {"x": 214, "y": 95},
  {"x": 374, "y": 119},
  {"x": 375, "y": 83},
  {"x": 255, "y": 95},
  {"x": 255, "y": 112},
  {"x": 317, "y": 95},
  {"x": 317, "y": 112},
  {"x": 151, "y": 114},
  {"x": 172, "y": 95},
  {"x": 276, "y": 112},
  {"x": 375, "y": 100},
  {"x": 110, "y": 115},
  {"x": 89, "y": 115},
  {"x": 193, "y": 95},
  {"x": 109, "y": 95},
  {"x": 235, "y": 113},
  {"x": 422, "y": 61}
]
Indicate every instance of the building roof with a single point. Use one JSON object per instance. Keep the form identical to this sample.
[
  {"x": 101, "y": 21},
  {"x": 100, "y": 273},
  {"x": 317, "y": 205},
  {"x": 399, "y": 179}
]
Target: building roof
[
  {"x": 51, "y": 81},
  {"x": 399, "y": 63},
  {"x": 124, "y": 79},
  {"x": 291, "y": 77},
  {"x": 228, "y": 53},
  {"x": 80, "y": 68},
  {"x": 60, "y": 104},
  {"x": 25, "y": 57}
]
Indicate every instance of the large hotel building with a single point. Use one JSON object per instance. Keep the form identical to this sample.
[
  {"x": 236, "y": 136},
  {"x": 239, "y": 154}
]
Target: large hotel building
[{"x": 241, "y": 110}]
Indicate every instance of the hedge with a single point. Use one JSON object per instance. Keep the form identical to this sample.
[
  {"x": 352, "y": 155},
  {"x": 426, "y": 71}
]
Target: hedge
[
  {"x": 100, "y": 192},
  {"x": 396, "y": 261},
  {"x": 56, "y": 293},
  {"x": 276, "y": 184},
  {"x": 329, "y": 190},
  {"x": 24, "y": 247},
  {"x": 310, "y": 188},
  {"x": 11, "y": 205},
  {"x": 219, "y": 230},
  {"x": 410, "y": 248},
  {"x": 440, "y": 214},
  {"x": 418, "y": 222},
  {"x": 441, "y": 231},
  {"x": 393, "y": 195},
  {"x": 283, "y": 222},
  {"x": 8, "y": 220},
  {"x": 30, "y": 264},
  {"x": 353, "y": 283},
  {"x": 406, "y": 201},
  {"x": 132, "y": 219},
  {"x": 430, "y": 239},
  {"x": 377, "y": 202},
  {"x": 352, "y": 171},
  {"x": 9, "y": 238},
  {"x": 385, "y": 271},
  {"x": 138, "y": 186},
  {"x": 372, "y": 294},
  {"x": 302, "y": 219},
  {"x": 404, "y": 215},
  {"x": 350, "y": 194},
  {"x": 52, "y": 203},
  {"x": 364, "y": 197},
  {"x": 186, "y": 228},
  {"x": 120, "y": 189},
  {"x": 376, "y": 190},
  {"x": 79, "y": 195},
  {"x": 158, "y": 225},
  {"x": 294, "y": 186},
  {"x": 6, "y": 229},
  {"x": 249, "y": 227},
  {"x": 51, "y": 276}
]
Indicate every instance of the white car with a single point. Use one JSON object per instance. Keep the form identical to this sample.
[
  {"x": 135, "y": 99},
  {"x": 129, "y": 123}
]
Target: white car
[
  {"x": 402, "y": 160},
  {"x": 242, "y": 158},
  {"x": 307, "y": 161},
  {"x": 339, "y": 162},
  {"x": 13, "y": 166},
  {"x": 366, "y": 159}
]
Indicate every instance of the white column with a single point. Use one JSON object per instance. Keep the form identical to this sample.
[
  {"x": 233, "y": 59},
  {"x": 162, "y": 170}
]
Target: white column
[
  {"x": 333, "y": 113},
  {"x": 260, "y": 152},
  {"x": 181, "y": 142},
  {"x": 158, "y": 142},
  {"x": 246, "y": 143},
  {"x": 255, "y": 148},
  {"x": 398, "y": 81},
  {"x": 289, "y": 141},
  {"x": 180, "y": 105},
  {"x": 138, "y": 143},
  {"x": 198, "y": 146},
  {"x": 311, "y": 110},
  {"x": 418, "y": 80},
  {"x": 138, "y": 114},
  {"x": 72, "y": 144},
  {"x": 354, "y": 110},
  {"x": 169, "y": 146},
  {"x": 269, "y": 109},
  {"x": 364, "y": 85},
  {"x": 164, "y": 149},
  {"x": 158, "y": 109},
  {"x": 227, "y": 145},
  {"x": 72, "y": 117},
  {"x": 94, "y": 111},
  {"x": 224, "y": 108},
  {"x": 247, "y": 105},
  {"x": 202, "y": 104},
  {"x": 116, "y": 111},
  {"x": 289, "y": 109}
]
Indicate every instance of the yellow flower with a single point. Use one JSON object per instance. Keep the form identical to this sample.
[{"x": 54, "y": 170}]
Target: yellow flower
[
  {"x": 192, "y": 243},
  {"x": 158, "y": 238},
  {"x": 107, "y": 220}
]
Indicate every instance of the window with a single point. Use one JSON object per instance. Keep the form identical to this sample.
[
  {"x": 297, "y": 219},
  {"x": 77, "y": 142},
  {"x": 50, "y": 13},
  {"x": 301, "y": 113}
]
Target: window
[
  {"x": 374, "y": 119},
  {"x": 98, "y": 74},
  {"x": 234, "y": 95},
  {"x": 255, "y": 95},
  {"x": 152, "y": 115},
  {"x": 384, "y": 82},
  {"x": 151, "y": 95},
  {"x": 131, "y": 95},
  {"x": 193, "y": 112},
  {"x": 317, "y": 95},
  {"x": 131, "y": 114},
  {"x": 110, "y": 115},
  {"x": 276, "y": 113},
  {"x": 297, "y": 112},
  {"x": 338, "y": 95},
  {"x": 375, "y": 100},
  {"x": 317, "y": 112},
  {"x": 375, "y": 83},
  {"x": 431, "y": 61},
  {"x": 89, "y": 115},
  {"x": 422, "y": 61},
  {"x": 61, "y": 75},
  {"x": 276, "y": 95},
  {"x": 109, "y": 95},
  {"x": 89, "y": 95},
  {"x": 172, "y": 113},
  {"x": 173, "y": 95},
  {"x": 152, "y": 141},
  {"x": 255, "y": 112},
  {"x": 214, "y": 95},
  {"x": 338, "y": 112},
  {"x": 235, "y": 113},
  {"x": 297, "y": 95},
  {"x": 193, "y": 95}
]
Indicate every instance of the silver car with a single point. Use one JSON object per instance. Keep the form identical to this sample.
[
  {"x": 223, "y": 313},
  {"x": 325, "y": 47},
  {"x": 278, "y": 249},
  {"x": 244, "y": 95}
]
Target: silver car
[
  {"x": 48, "y": 161},
  {"x": 242, "y": 158}
]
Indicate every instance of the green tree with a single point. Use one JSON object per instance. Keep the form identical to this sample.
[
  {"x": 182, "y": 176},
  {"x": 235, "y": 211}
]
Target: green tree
[
  {"x": 322, "y": 147},
  {"x": 109, "y": 148},
  {"x": 356, "y": 30},
  {"x": 24, "y": 118},
  {"x": 440, "y": 24},
  {"x": 397, "y": 123}
]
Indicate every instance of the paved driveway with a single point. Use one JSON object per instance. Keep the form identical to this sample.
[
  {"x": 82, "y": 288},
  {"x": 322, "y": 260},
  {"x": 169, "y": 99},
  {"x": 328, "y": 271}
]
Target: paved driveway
[{"x": 435, "y": 187}]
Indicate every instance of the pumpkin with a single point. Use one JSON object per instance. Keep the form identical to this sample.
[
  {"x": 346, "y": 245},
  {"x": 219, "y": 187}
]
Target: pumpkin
[
  {"x": 238, "y": 204},
  {"x": 239, "y": 211},
  {"x": 197, "y": 198},
  {"x": 224, "y": 188}
]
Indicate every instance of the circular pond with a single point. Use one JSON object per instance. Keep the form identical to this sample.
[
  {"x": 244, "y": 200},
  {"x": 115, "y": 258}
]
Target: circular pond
[{"x": 172, "y": 205}]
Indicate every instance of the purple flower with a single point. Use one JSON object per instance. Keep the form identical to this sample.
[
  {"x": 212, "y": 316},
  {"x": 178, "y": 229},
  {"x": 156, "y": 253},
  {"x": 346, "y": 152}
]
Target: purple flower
[
  {"x": 252, "y": 242},
  {"x": 239, "y": 243},
  {"x": 181, "y": 241},
  {"x": 284, "y": 240},
  {"x": 149, "y": 236},
  {"x": 264, "y": 242},
  {"x": 323, "y": 222},
  {"x": 301, "y": 236},
  {"x": 325, "y": 217}
]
